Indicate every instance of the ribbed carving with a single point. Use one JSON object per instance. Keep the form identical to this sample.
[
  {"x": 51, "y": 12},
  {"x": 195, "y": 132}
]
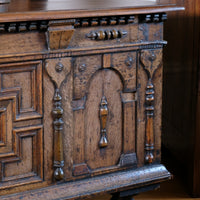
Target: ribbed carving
[
  {"x": 149, "y": 144},
  {"x": 103, "y": 118},
  {"x": 106, "y": 34},
  {"x": 156, "y": 17},
  {"x": 24, "y": 26}
]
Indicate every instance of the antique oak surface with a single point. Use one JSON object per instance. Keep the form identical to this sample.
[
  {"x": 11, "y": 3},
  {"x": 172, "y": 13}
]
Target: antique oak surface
[
  {"x": 80, "y": 98},
  {"x": 181, "y": 111}
]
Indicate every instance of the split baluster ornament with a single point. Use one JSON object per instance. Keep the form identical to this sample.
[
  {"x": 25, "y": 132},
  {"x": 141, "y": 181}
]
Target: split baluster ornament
[
  {"x": 58, "y": 73},
  {"x": 103, "y": 119},
  {"x": 151, "y": 60},
  {"x": 149, "y": 145},
  {"x": 58, "y": 136}
]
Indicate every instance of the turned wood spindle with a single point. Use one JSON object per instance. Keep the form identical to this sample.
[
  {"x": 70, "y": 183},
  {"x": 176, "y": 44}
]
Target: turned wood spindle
[{"x": 103, "y": 118}]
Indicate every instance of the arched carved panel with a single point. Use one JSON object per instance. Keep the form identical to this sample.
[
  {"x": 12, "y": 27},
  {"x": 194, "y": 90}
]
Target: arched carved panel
[
  {"x": 104, "y": 103},
  {"x": 105, "y": 83}
]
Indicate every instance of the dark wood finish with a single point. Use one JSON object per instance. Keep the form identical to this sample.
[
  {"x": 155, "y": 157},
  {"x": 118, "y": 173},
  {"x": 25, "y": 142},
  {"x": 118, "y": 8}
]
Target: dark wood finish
[
  {"x": 80, "y": 99},
  {"x": 180, "y": 110}
]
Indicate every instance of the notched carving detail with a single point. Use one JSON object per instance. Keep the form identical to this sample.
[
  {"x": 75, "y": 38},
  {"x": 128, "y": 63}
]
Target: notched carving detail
[
  {"x": 156, "y": 18},
  {"x": 151, "y": 60},
  {"x": 103, "y": 119},
  {"x": 104, "y": 21},
  {"x": 23, "y": 26}
]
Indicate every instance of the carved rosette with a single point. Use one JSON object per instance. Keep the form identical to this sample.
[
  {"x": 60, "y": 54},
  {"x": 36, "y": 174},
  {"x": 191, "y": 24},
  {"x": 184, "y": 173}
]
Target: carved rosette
[
  {"x": 58, "y": 72},
  {"x": 103, "y": 118},
  {"x": 151, "y": 60}
]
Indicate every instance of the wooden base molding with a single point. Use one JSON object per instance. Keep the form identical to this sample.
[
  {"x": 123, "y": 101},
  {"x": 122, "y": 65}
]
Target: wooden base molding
[{"x": 143, "y": 176}]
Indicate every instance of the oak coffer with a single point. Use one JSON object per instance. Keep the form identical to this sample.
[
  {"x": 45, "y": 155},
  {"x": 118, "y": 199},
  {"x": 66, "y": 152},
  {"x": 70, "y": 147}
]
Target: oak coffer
[{"x": 80, "y": 98}]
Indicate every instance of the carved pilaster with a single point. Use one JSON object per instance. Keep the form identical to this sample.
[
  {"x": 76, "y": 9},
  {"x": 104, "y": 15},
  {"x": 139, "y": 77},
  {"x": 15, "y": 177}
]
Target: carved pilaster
[
  {"x": 57, "y": 71},
  {"x": 103, "y": 118},
  {"x": 151, "y": 60}
]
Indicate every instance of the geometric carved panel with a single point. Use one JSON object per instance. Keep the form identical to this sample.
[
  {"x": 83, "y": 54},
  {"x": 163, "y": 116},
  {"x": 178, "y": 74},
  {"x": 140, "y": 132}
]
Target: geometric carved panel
[
  {"x": 22, "y": 82},
  {"x": 27, "y": 158},
  {"x": 6, "y": 128},
  {"x": 21, "y": 142}
]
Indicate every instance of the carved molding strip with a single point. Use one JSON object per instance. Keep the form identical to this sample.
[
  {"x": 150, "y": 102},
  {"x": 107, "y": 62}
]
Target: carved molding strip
[
  {"x": 103, "y": 21},
  {"x": 155, "y": 18},
  {"x": 23, "y": 26},
  {"x": 151, "y": 60},
  {"x": 103, "y": 112},
  {"x": 58, "y": 73},
  {"x": 82, "y": 22}
]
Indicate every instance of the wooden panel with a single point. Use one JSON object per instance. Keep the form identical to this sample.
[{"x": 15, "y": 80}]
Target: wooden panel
[
  {"x": 129, "y": 118},
  {"x": 6, "y": 128},
  {"x": 21, "y": 149},
  {"x": 84, "y": 41},
  {"x": 79, "y": 132},
  {"x": 150, "y": 32},
  {"x": 103, "y": 85},
  {"x": 15, "y": 43},
  {"x": 21, "y": 82},
  {"x": 125, "y": 64},
  {"x": 27, "y": 159},
  {"x": 84, "y": 68}
]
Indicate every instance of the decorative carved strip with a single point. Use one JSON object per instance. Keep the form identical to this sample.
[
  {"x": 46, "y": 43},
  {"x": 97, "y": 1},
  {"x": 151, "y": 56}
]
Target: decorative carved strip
[
  {"x": 156, "y": 17},
  {"x": 103, "y": 118},
  {"x": 58, "y": 72},
  {"x": 82, "y": 22},
  {"x": 24, "y": 26},
  {"x": 104, "y": 21},
  {"x": 151, "y": 60},
  {"x": 106, "y": 34}
]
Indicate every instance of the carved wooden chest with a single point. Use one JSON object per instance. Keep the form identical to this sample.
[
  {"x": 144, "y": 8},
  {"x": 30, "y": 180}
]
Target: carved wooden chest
[{"x": 80, "y": 98}]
